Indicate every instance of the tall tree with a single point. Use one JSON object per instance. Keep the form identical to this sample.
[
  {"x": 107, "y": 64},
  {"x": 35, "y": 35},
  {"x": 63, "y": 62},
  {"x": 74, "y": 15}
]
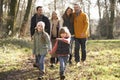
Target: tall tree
[
  {"x": 18, "y": 5},
  {"x": 11, "y": 16},
  {"x": 1, "y": 12},
  {"x": 106, "y": 17},
  {"x": 111, "y": 21},
  {"x": 25, "y": 19},
  {"x": 55, "y": 5},
  {"x": 99, "y": 11},
  {"x": 89, "y": 4}
]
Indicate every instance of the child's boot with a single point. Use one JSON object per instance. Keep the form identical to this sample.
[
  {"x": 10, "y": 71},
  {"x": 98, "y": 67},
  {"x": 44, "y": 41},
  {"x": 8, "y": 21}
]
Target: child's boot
[
  {"x": 62, "y": 77},
  {"x": 41, "y": 74}
]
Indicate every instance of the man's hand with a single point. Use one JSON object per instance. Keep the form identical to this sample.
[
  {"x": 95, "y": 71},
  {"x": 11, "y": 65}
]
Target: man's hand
[{"x": 82, "y": 34}]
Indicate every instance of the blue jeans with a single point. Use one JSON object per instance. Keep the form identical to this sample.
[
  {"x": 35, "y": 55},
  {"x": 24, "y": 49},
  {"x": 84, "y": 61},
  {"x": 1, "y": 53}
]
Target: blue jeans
[
  {"x": 41, "y": 60},
  {"x": 63, "y": 62},
  {"x": 80, "y": 42}
]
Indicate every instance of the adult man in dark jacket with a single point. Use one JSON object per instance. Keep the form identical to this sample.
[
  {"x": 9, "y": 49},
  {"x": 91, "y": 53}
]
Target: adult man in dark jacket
[{"x": 39, "y": 17}]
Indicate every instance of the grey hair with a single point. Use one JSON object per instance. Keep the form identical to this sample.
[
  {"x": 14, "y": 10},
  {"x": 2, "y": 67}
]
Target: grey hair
[{"x": 77, "y": 4}]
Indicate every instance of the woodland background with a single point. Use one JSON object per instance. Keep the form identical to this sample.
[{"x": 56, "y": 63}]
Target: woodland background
[
  {"x": 103, "y": 45},
  {"x": 15, "y": 16}
]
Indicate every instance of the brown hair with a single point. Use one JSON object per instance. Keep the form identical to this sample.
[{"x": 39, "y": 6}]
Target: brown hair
[
  {"x": 64, "y": 30},
  {"x": 65, "y": 14},
  {"x": 38, "y": 7}
]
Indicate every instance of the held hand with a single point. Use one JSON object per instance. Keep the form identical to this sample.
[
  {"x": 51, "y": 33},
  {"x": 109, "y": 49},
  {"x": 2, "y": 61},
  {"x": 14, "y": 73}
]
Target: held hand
[
  {"x": 33, "y": 56},
  {"x": 49, "y": 52},
  {"x": 31, "y": 38}
]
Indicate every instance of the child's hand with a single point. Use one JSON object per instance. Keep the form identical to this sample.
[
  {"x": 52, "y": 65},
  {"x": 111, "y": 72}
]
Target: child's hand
[
  {"x": 33, "y": 56},
  {"x": 49, "y": 52},
  {"x": 32, "y": 38}
]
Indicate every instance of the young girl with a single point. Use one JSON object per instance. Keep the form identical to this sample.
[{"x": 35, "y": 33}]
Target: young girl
[
  {"x": 62, "y": 49},
  {"x": 42, "y": 45}
]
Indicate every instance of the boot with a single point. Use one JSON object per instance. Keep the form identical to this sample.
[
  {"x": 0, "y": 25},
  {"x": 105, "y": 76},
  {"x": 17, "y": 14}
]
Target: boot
[
  {"x": 62, "y": 77},
  {"x": 36, "y": 65},
  {"x": 41, "y": 74}
]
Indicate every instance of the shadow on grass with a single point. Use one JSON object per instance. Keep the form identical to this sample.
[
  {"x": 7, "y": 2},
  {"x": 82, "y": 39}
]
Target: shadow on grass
[
  {"x": 31, "y": 74},
  {"x": 19, "y": 75},
  {"x": 19, "y": 42}
]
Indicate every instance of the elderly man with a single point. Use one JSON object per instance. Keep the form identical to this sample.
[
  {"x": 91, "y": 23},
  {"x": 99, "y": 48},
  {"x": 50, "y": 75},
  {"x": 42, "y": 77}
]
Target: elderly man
[{"x": 81, "y": 30}]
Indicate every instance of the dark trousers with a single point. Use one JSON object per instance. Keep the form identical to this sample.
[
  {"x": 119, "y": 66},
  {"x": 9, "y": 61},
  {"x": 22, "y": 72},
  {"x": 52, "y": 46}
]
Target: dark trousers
[
  {"x": 37, "y": 59},
  {"x": 71, "y": 47},
  {"x": 53, "y": 60},
  {"x": 80, "y": 42}
]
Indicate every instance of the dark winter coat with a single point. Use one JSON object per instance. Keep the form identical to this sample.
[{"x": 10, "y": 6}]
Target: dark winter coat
[
  {"x": 34, "y": 21},
  {"x": 62, "y": 48},
  {"x": 69, "y": 24}
]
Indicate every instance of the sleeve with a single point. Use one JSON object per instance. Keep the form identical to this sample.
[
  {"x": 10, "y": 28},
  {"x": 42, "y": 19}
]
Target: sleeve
[
  {"x": 47, "y": 26},
  {"x": 54, "y": 47},
  {"x": 48, "y": 41},
  {"x": 65, "y": 40},
  {"x": 86, "y": 24},
  {"x": 34, "y": 44},
  {"x": 72, "y": 25},
  {"x": 32, "y": 26}
]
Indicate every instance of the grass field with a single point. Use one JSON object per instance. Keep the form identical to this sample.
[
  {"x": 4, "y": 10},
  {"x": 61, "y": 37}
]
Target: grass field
[{"x": 103, "y": 62}]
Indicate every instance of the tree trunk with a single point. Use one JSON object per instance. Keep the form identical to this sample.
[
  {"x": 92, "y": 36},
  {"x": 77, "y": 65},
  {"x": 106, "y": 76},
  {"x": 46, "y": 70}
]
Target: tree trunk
[
  {"x": 11, "y": 17},
  {"x": 99, "y": 9},
  {"x": 25, "y": 19},
  {"x": 99, "y": 27},
  {"x": 106, "y": 17},
  {"x": 89, "y": 16},
  {"x": 1, "y": 14},
  {"x": 55, "y": 5},
  {"x": 111, "y": 21},
  {"x": 18, "y": 5}
]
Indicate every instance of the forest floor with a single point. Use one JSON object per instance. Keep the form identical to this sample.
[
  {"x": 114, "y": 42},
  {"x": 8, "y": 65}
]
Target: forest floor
[{"x": 103, "y": 62}]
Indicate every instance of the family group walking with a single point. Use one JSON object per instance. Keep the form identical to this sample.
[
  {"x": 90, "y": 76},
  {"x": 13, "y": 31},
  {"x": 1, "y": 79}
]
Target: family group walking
[{"x": 55, "y": 36}]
